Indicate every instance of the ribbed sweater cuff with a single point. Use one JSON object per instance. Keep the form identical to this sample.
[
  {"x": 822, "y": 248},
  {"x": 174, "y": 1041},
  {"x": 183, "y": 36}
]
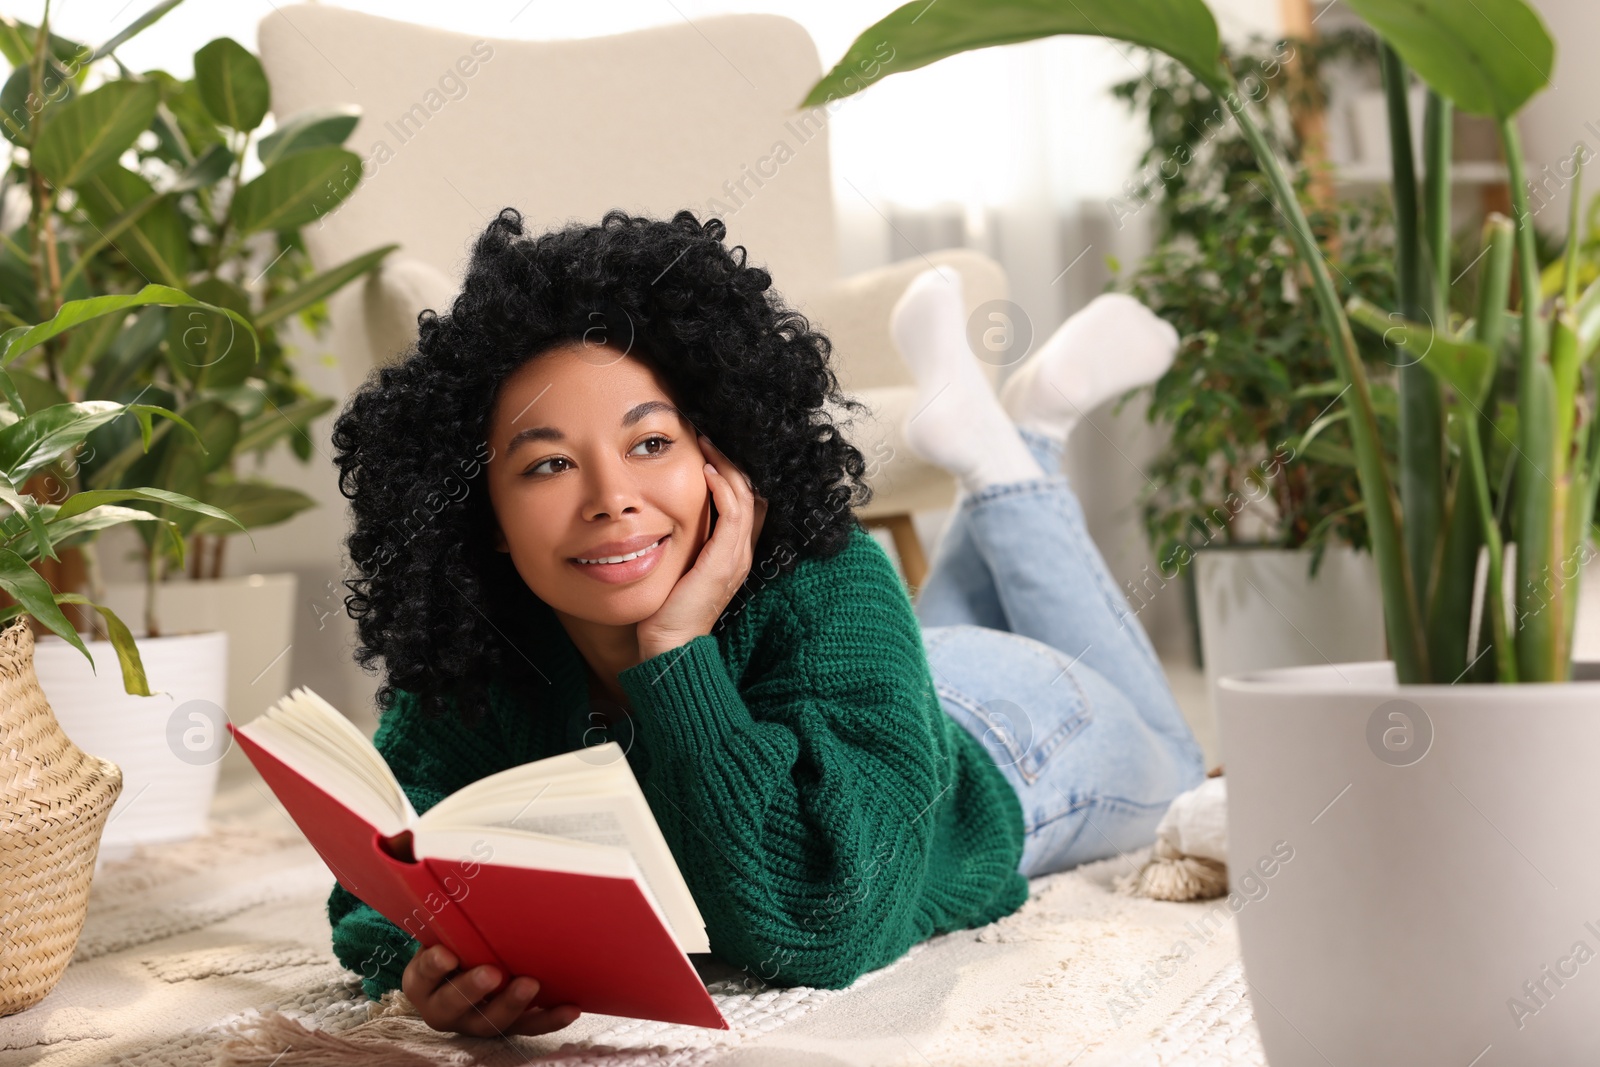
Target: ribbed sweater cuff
[{"x": 684, "y": 697}]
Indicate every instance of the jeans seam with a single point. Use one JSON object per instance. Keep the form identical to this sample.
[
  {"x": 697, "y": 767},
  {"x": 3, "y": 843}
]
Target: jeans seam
[{"x": 1005, "y": 489}]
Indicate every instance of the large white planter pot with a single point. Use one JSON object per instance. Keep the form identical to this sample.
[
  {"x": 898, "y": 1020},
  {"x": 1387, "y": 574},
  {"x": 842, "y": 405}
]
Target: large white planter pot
[
  {"x": 169, "y": 745},
  {"x": 1416, "y": 866},
  {"x": 256, "y": 611},
  {"x": 1260, "y": 608}
]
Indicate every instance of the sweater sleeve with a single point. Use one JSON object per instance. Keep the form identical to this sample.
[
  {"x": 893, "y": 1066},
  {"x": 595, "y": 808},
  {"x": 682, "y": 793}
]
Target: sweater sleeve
[
  {"x": 803, "y": 810},
  {"x": 431, "y": 759}
]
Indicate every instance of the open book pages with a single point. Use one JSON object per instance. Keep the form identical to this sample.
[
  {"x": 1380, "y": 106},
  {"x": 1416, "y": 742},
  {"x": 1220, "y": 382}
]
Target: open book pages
[{"x": 581, "y": 812}]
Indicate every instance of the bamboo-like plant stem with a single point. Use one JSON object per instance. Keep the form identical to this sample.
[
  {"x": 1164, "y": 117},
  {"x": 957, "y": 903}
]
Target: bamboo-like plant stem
[
  {"x": 1407, "y": 645},
  {"x": 1537, "y": 491}
]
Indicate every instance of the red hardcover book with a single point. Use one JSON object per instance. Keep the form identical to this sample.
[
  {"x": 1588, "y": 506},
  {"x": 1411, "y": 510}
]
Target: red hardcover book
[{"x": 555, "y": 869}]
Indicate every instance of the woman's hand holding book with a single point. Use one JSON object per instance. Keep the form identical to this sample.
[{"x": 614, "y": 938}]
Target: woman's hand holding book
[{"x": 457, "y": 1003}]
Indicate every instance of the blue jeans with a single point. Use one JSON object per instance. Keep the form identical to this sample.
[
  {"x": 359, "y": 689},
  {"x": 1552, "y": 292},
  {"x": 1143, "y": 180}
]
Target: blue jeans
[{"x": 1035, "y": 652}]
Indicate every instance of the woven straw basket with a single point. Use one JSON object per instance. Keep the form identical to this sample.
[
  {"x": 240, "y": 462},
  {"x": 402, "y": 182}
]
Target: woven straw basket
[{"x": 54, "y": 800}]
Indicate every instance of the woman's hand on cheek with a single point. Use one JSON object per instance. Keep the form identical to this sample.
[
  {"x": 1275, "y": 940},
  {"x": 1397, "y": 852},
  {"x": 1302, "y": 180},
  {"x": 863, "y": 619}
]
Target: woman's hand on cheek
[{"x": 699, "y": 597}]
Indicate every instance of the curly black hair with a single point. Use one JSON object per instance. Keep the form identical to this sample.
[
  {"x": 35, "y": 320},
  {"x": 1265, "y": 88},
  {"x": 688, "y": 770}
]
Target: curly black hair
[{"x": 432, "y": 597}]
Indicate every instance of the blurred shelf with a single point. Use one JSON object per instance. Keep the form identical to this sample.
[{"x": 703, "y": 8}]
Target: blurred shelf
[{"x": 1471, "y": 172}]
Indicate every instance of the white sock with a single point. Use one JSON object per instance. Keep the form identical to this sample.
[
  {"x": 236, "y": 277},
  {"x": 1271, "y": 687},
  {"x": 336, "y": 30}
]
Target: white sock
[
  {"x": 956, "y": 422},
  {"x": 1111, "y": 345}
]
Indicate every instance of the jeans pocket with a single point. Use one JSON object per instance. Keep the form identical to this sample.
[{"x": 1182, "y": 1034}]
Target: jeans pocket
[{"x": 1017, "y": 696}]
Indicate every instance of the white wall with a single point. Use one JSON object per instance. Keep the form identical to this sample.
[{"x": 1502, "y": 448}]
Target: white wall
[{"x": 1566, "y": 113}]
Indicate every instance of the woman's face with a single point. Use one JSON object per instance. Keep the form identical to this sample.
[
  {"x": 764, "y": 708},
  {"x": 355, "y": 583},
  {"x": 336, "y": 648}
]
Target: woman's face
[{"x": 590, "y": 460}]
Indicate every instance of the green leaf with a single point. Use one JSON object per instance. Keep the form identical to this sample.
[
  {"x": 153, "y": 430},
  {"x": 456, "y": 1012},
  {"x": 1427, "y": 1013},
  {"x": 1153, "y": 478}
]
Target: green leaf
[
  {"x": 138, "y": 222},
  {"x": 39, "y": 439},
  {"x": 323, "y": 285},
  {"x": 206, "y": 346},
  {"x": 1489, "y": 57},
  {"x": 134, "y": 681},
  {"x": 1466, "y": 366},
  {"x": 253, "y": 504},
  {"x": 206, "y": 171},
  {"x": 232, "y": 85},
  {"x": 89, "y": 131},
  {"x": 16, "y": 116},
  {"x": 316, "y": 127},
  {"x": 33, "y": 593},
  {"x": 267, "y": 427},
  {"x": 91, "y": 499},
  {"x": 920, "y": 33},
  {"x": 20, "y": 339},
  {"x": 296, "y": 190},
  {"x": 32, "y": 516}
]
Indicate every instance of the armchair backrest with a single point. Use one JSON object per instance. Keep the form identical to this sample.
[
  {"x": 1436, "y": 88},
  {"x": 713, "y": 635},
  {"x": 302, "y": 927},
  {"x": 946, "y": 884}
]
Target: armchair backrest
[{"x": 455, "y": 127}]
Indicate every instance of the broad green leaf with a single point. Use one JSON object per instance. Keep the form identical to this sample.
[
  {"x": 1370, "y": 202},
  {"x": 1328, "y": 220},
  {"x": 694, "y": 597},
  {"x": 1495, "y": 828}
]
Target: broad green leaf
[
  {"x": 138, "y": 222},
  {"x": 323, "y": 285},
  {"x": 90, "y": 499},
  {"x": 36, "y": 391},
  {"x": 43, "y": 436},
  {"x": 206, "y": 171},
  {"x": 16, "y": 116},
  {"x": 1489, "y": 57},
  {"x": 253, "y": 504},
  {"x": 232, "y": 85},
  {"x": 207, "y": 347},
  {"x": 17, "y": 39},
  {"x": 317, "y": 127},
  {"x": 296, "y": 190},
  {"x": 134, "y": 681},
  {"x": 920, "y": 33},
  {"x": 89, "y": 131},
  {"x": 13, "y": 397},
  {"x": 1465, "y": 365},
  {"x": 20, "y": 339},
  {"x": 33, "y": 594}
]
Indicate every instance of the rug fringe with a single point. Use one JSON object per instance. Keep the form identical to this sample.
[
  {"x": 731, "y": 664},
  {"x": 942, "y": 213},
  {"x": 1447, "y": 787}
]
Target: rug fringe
[{"x": 394, "y": 1035}]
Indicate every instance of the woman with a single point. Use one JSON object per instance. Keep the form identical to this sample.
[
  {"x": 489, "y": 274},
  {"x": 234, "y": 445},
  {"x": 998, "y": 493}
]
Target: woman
[{"x": 604, "y": 498}]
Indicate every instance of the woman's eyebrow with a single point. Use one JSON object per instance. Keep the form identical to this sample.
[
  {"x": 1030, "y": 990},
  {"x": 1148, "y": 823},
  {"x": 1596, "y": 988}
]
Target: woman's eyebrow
[{"x": 550, "y": 433}]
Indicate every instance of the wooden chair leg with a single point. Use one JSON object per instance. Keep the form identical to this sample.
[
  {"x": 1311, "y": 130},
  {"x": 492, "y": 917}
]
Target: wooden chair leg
[{"x": 907, "y": 544}]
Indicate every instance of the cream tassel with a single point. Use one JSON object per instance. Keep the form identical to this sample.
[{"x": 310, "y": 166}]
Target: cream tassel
[{"x": 1189, "y": 858}]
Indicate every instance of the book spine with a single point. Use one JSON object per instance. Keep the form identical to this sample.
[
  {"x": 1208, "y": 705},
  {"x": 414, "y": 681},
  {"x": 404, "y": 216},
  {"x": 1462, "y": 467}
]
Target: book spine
[{"x": 437, "y": 916}]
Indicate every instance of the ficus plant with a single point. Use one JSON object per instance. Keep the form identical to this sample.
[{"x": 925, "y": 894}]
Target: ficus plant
[
  {"x": 136, "y": 179},
  {"x": 1479, "y": 562}
]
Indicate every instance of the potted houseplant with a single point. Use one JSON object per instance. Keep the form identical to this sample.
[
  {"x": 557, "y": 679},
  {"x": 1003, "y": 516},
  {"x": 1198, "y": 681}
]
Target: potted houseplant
[
  {"x": 162, "y": 196},
  {"x": 56, "y": 799},
  {"x": 1437, "y": 907},
  {"x": 1252, "y": 485}
]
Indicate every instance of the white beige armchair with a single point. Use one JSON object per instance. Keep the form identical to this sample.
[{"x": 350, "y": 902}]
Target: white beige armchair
[{"x": 700, "y": 115}]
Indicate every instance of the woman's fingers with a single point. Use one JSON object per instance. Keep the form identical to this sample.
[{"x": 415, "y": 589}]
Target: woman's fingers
[{"x": 544, "y": 1020}]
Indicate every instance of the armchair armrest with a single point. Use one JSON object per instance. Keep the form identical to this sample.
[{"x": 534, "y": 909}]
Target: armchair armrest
[
  {"x": 854, "y": 313},
  {"x": 394, "y": 295}
]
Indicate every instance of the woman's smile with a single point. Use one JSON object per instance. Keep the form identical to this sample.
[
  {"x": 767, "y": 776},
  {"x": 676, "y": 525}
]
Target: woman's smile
[{"x": 625, "y": 567}]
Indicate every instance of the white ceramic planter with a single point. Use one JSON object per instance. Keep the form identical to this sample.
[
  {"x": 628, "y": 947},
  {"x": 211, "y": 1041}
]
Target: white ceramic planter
[
  {"x": 1417, "y": 866},
  {"x": 1260, "y": 608},
  {"x": 256, "y": 610},
  {"x": 169, "y": 745}
]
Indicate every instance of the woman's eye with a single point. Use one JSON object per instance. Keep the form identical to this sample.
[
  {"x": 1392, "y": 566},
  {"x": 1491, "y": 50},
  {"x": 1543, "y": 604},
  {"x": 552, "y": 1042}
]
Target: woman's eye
[{"x": 664, "y": 444}]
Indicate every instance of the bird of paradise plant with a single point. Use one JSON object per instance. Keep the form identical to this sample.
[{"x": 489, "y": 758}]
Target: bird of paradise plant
[{"x": 1478, "y": 560}]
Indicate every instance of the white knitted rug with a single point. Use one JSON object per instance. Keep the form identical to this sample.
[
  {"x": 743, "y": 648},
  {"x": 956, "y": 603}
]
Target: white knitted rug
[{"x": 187, "y": 945}]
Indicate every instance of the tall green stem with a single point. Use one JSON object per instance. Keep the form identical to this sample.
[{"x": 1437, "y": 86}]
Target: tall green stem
[
  {"x": 1537, "y": 492},
  {"x": 1406, "y": 640},
  {"x": 1421, "y": 397}
]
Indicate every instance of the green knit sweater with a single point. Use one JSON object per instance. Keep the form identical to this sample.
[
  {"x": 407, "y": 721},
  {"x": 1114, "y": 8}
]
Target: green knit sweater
[{"x": 826, "y": 812}]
